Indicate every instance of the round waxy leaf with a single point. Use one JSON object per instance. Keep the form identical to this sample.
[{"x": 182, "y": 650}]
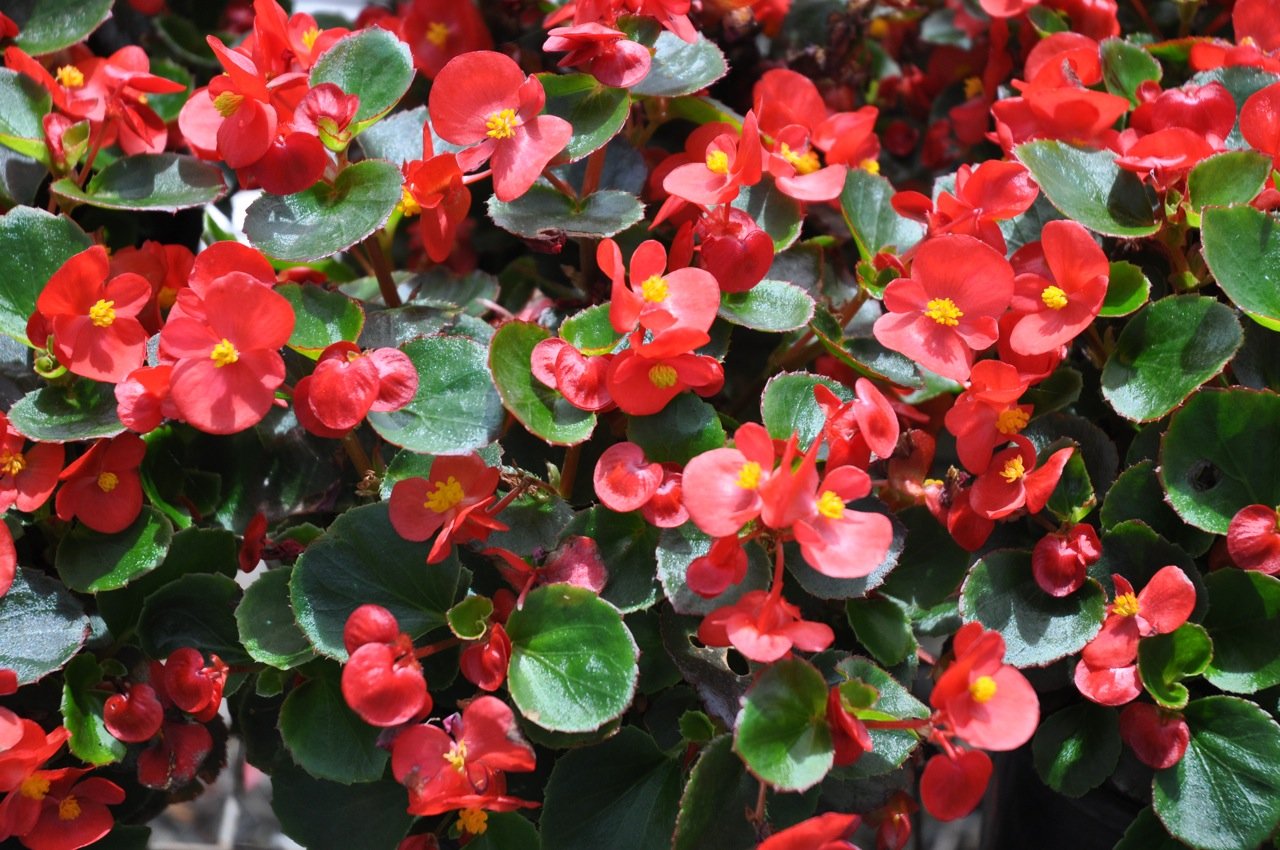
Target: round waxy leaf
[
  {"x": 456, "y": 408},
  {"x": 539, "y": 408},
  {"x": 507, "y": 831},
  {"x": 321, "y": 317},
  {"x": 777, "y": 214},
  {"x": 890, "y": 746},
  {"x": 774, "y": 306},
  {"x": 1126, "y": 66},
  {"x": 82, "y": 704},
  {"x": 1230, "y": 177},
  {"x": 196, "y": 610},
  {"x": 1127, "y": 290},
  {"x": 85, "y": 411},
  {"x": 160, "y": 182},
  {"x": 873, "y": 222},
  {"x": 370, "y": 63},
  {"x": 882, "y": 626},
  {"x": 678, "y": 547},
  {"x": 1164, "y": 660},
  {"x": 544, "y": 213},
  {"x": 23, "y": 105},
  {"x": 89, "y": 561},
  {"x": 323, "y": 815},
  {"x": 685, "y": 428},
  {"x": 41, "y": 626},
  {"x": 33, "y": 245},
  {"x": 327, "y": 738},
  {"x": 626, "y": 543},
  {"x": 680, "y": 67},
  {"x": 788, "y": 406},
  {"x": 1243, "y": 620},
  {"x": 1225, "y": 792},
  {"x": 1242, "y": 248},
  {"x": 782, "y": 732},
  {"x": 327, "y": 218},
  {"x": 1211, "y": 461},
  {"x": 1077, "y": 748},
  {"x": 1171, "y": 347},
  {"x": 573, "y": 662},
  {"x": 597, "y": 112},
  {"x": 718, "y": 791},
  {"x": 1137, "y": 494},
  {"x": 1090, "y": 188},
  {"x": 1001, "y": 593},
  {"x": 51, "y": 25},
  {"x": 1147, "y": 833},
  {"x": 623, "y": 794},
  {"x": 267, "y": 627},
  {"x": 361, "y": 559}
]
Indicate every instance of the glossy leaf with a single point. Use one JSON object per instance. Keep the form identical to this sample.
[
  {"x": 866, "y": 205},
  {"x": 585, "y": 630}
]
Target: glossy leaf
[
  {"x": 1127, "y": 290},
  {"x": 1244, "y": 614},
  {"x": 54, "y": 24},
  {"x": 627, "y": 543},
  {"x": 891, "y": 747},
  {"x": 782, "y": 731},
  {"x": 41, "y": 626},
  {"x": 882, "y": 626},
  {"x": 33, "y": 245},
  {"x": 1089, "y": 187},
  {"x": 544, "y": 213},
  {"x": 23, "y": 105},
  {"x": 777, "y": 214},
  {"x": 321, "y": 317},
  {"x": 677, "y": 547},
  {"x": 507, "y": 831},
  {"x": 686, "y": 427},
  {"x": 82, "y": 704},
  {"x": 539, "y": 408},
  {"x": 1077, "y": 748},
  {"x": 597, "y": 112},
  {"x": 681, "y": 68},
  {"x": 1242, "y": 248},
  {"x": 788, "y": 406},
  {"x": 1126, "y": 66},
  {"x": 161, "y": 182},
  {"x": 718, "y": 791},
  {"x": 370, "y": 63},
  {"x": 268, "y": 630},
  {"x": 89, "y": 561},
  {"x": 1230, "y": 177},
  {"x": 773, "y": 306},
  {"x": 1164, "y": 660},
  {"x": 196, "y": 610},
  {"x": 326, "y": 738},
  {"x": 871, "y": 218},
  {"x": 85, "y": 411},
  {"x": 1137, "y": 494},
  {"x": 322, "y": 815}
]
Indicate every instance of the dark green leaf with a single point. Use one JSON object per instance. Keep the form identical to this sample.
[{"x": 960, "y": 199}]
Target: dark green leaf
[
  {"x": 686, "y": 427},
  {"x": 891, "y": 747},
  {"x": 89, "y": 561},
  {"x": 327, "y": 738},
  {"x": 1166, "y": 659},
  {"x": 544, "y": 213},
  {"x": 573, "y": 662},
  {"x": 931, "y": 565},
  {"x": 882, "y": 627},
  {"x": 396, "y": 138},
  {"x": 788, "y": 406},
  {"x": 84, "y": 411},
  {"x": 1126, "y": 66},
  {"x": 456, "y": 408},
  {"x": 1137, "y": 494},
  {"x": 537, "y": 520},
  {"x": 597, "y": 112},
  {"x": 506, "y": 831},
  {"x": 1243, "y": 620},
  {"x": 1127, "y": 290},
  {"x": 325, "y": 219},
  {"x": 160, "y": 182},
  {"x": 782, "y": 731},
  {"x": 681, "y": 68},
  {"x": 1089, "y": 187},
  {"x": 266, "y": 623},
  {"x": 370, "y": 63},
  {"x": 1147, "y": 833},
  {"x": 1077, "y": 748},
  {"x": 1231, "y": 177},
  {"x": 717, "y": 794},
  {"x": 82, "y": 713},
  {"x": 771, "y": 305},
  {"x": 322, "y": 317},
  {"x": 627, "y": 543},
  {"x": 539, "y": 408},
  {"x": 1210, "y": 460},
  {"x": 322, "y": 815},
  {"x": 871, "y": 218},
  {"x": 196, "y": 610},
  {"x": 48, "y": 25},
  {"x": 23, "y": 105},
  {"x": 677, "y": 547},
  {"x": 777, "y": 214},
  {"x": 1002, "y": 594},
  {"x": 1242, "y": 248},
  {"x": 41, "y": 626},
  {"x": 33, "y": 245}
]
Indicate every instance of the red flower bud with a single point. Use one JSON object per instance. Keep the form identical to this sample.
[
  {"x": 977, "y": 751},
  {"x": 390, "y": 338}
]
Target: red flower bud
[
  {"x": 952, "y": 788},
  {"x": 1158, "y": 737},
  {"x": 484, "y": 663},
  {"x": 1059, "y": 561},
  {"x": 369, "y": 624},
  {"x": 135, "y": 716}
]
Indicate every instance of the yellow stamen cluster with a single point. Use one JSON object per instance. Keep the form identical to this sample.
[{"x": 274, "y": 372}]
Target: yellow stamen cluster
[
  {"x": 718, "y": 162},
  {"x": 502, "y": 124},
  {"x": 309, "y": 37},
  {"x": 227, "y": 103},
  {"x": 437, "y": 33},
  {"x": 447, "y": 494},
  {"x": 1053, "y": 298},
  {"x": 1126, "y": 605},
  {"x": 108, "y": 481},
  {"x": 972, "y": 87},
  {"x": 69, "y": 808},
  {"x": 409, "y": 205},
  {"x": 69, "y": 76},
  {"x": 654, "y": 290},
  {"x": 1013, "y": 470},
  {"x": 982, "y": 689},
  {"x": 457, "y": 756},
  {"x": 34, "y": 787},
  {"x": 11, "y": 463},
  {"x": 103, "y": 313},
  {"x": 830, "y": 505},
  {"x": 869, "y": 165},
  {"x": 943, "y": 311},
  {"x": 663, "y": 377},
  {"x": 749, "y": 475},
  {"x": 804, "y": 163},
  {"x": 473, "y": 821},
  {"x": 1012, "y": 420},
  {"x": 224, "y": 353}
]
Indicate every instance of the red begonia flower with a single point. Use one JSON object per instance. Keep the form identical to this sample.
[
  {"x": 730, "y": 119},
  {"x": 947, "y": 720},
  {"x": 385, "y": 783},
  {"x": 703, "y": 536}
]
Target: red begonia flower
[
  {"x": 347, "y": 383},
  {"x": 57, "y": 810},
  {"x": 1077, "y": 114},
  {"x": 993, "y": 191},
  {"x": 840, "y": 542},
  {"x": 821, "y": 832},
  {"x": 134, "y": 716},
  {"x": 602, "y": 51},
  {"x": 1053, "y": 312},
  {"x": 434, "y": 190},
  {"x": 383, "y": 683},
  {"x": 951, "y": 788},
  {"x": 1164, "y": 157},
  {"x": 1013, "y": 480},
  {"x": 1253, "y": 539},
  {"x": 665, "y": 509},
  {"x": 166, "y": 267},
  {"x": 849, "y": 735},
  {"x": 1260, "y": 120},
  {"x": 724, "y": 565},
  {"x": 484, "y": 663},
  {"x": 722, "y": 486},
  {"x": 484, "y": 99},
  {"x": 985, "y": 701},
  {"x": 31, "y": 749},
  {"x": 730, "y": 162},
  {"x": 438, "y": 30},
  {"x": 677, "y": 307},
  {"x": 451, "y": 501},
  {"x": 576, "y": 561},
  {"x": 223, "y": 258},
  {"x": 1157, "y": 736},
  {"x": 986, "y": 414},
  {"x": 27, "y": 474},
  {"x": 142, "y": 398},
  {"x": 8, "y": 572},
  {"x": 580, "y": 378},
  {"x": 1062, "y": 59},
  {"x": 1208, "y": 110},
  {"x": 102, "y": 486},
  {"x": 1256, "y": 20},
  {"x": 642, "y": 386},
  {"x": 623, "y": 479},
  {"x": 191, "y": 684},
  {"x": 797, "y": 170},
  {"x": 735, "y": 249},
  {"x": 858, "y": 427},
  {"x": 763, "y": 627},
  {"x": 1059, "y": 561},
  {"x": 175, "y": 756}
]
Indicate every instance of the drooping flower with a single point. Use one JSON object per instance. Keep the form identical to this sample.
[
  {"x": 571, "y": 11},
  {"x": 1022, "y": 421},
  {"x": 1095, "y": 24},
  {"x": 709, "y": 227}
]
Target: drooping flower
[
  {"x": 821, "y": 832},
  {"x": 602, "y": 51},
  {"x": 143, "y": 400},
  {"x": 484, "y": 663},
  {"x": 1059, "y": 560},
  {"x": 580, "y": 378},
  {"x": 102, "y": 486},
  {"x": 135, "y": 715},
  {"x": 175, "y": 755},
  {"x": 1158, "y": 736},
  {"x": 624, "y": 480},
  {"x": 983, "y": 700},
  {"x": 952, "y": 785},
  {"x": 382, "y": 680},
  {"x": 1253, "y": 539},
  {"x": 187, "y": 681},
  {"x": 763, "y": 627},
  {"x": 854, "y": 429},
  {"x": 452, "y": 501},
  {"x": 348, "y": 383}
]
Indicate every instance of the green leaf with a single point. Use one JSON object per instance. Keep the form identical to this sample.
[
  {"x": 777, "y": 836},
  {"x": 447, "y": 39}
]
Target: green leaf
[
  {"x": 597, "y": 112},
  {"x": 1210, "y": 462},
  {"x": 41, "y": 626},
  {"x": 1244, "y": 610},
  {"x": 685, "y": 428},
  {"x": 871, "y": 218},
  {"x": 267, "y": 627},
  {"x": 1002, "y": 594},
  {"x": 1126, "y": 66},
  {"x": 1225, "y": 792},
  {"x": 627, "y": 543},
  {"x": 590, "y": 331},
  {"x": 779, "y": 215},
  {"x": 782, "y": 731},
  {"x": 1073, "y": 498},
  {"x": 322, "y": 317},
  {"x": 1137, "y": 494},
  {"x": 326, "y": 738},
  {"x": 360, "y": 559},
  {"x": 931, "y": 565},
  {"x": 23, "y": 105},
  {"x": 537, "y": 520},
  {"x": 322, "y": 815},
  {"x": 717, "y": 794},
  {"x": 681, "y": 68},
  {"x": 677, "y": 547},
  {"x": 773, "y": 306},
  {"x": 1242, "y": 248},
  {"x": 372, "y": 64},
  {"x": 89, "y": 561},
  {"x": 1147, "y": 833},
  {"x": 51, "y": 25},
  {"x": 196, "y": 610},
  {"x": 1230, "y": 177},
  {"x": 573, "y": 662},
  {"x": 82, "y": 713},
  {"x": 456, "y": 408},
  {"x": 1171, "y": 347},
  {"x": 1127, "y": 290},
  {"x": 891, "y": 747},
  {"x": 1089, "y": 187},
  {"x": 33, "y": 245},
  {"x": 622, "y": 794},
  {"x": 881, "y": 625},
  {"x": 788, "y": 406},
  {"x": 544, "y": 213},
  {"x": 469, "y": 619},
  {"x": 507, "y": 831},
  {"x": 84, "y": 411},
  {"x": 540, "y": 409},
  {"x": 325, "y": 219},
  {"x": 1077, "y": 748},
  {"x": 397, "y": 138},
  {"x": 1165, "y": 659},
  {"x": 159, "y": 182}
]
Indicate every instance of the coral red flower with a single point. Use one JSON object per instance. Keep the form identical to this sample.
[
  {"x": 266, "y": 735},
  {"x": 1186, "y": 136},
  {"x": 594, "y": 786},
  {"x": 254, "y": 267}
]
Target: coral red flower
[
  {"x": 382, "y": 680},
  {"x": 983, "y": 700},
  {"x": 1157, "y": 736},
  {"x": 822, "y": 832},
  {"x": 624, "y": 480},
  {"x": 58, "y": 810},
  {"x": 166, "y": 267},
  {"x": 993, "y": 191},
  {"x": 1164, "y": 157},
  {"x": 1253, "y": 539},
  {"x": 134, "y": 716},
  {"x": 438, "y": 30},
  {"x": 643, "y": 386},
  {"x": 1013, "y": 480},
  {"x": 602, "y": 51},
  {"x": 175, "y": 756},
  {"x": 948, "y": 308},
  {"x": 724, "y": 565},
  {"x": 1057, "y": 309},
  {"x": 735, "y": 249},
  {"x": 849, "y": 735},
  {"x": 8, "y": 572},
  {"x": 579, "y": 377},
  {"x": 94, "y": 317},
  {"x": 28, "y": 474},
  {"x": 484, "y": 663},
  {"x": 763, "y": 627},
  {"x": 142, "y": 398},
  {"x": 986, "y": 414},
  {"x": 677, "y": 307},
  {"x": 452, "y": 501},
  {"x": 858, "y": 427},
  {"x": 952, "y": 786},
  {"x": 1209, "y": 111},
  {"x": 729, "y": 163},
  {"x": 1260, "y": 120},
  {"x": 840, "y": 542},
  {"x": 483, "y": 99},
  {"x": 27, "y": 746},
  {"x": 347, "y": 384},
  {"x": 1059, "y": 560},
  {"x": 722, "y": 486},
  {"x": 102, "y": 486}
]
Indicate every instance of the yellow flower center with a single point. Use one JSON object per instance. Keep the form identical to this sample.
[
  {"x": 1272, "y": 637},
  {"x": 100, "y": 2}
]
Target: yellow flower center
[
  {"x": 830, "y": 505},
  {"x": 224, "y": 353},
  {"x": 663, "y": 376},
  {"x": 972, "y": 87},
  {"x": 34, "y": 787},
  {"x": 11, "y": 463},
  {"x": 309, "y": 37},
  {"x": 982, "y": 689},
  {"x": 1053, "y": 298},
  {"x": 408, "y": 203},
  {"x": 655, "y": 289},
  {"x": 869, "y": 165},
  {"x": 473, "y": 821},
  {"x": 69, "y": 808},
  {"x": 878, "y": 28},
  {"x": 227, "y": 103},
  {"x": 718, "y": 162},
  {"x": 1126, "y": 605},
  {"x": 502, "y": 125},
  {"x": 804, "y": 163},
  {"x": 447, "y": 494},
  {"x": 1012, "y": 420},
  {"x": 943, "y": 311},
  {"x": 1013, "y": 469},
  {"x": 457, "y": 756},
  {"x": 69, "y": 76},
  {"x": 749, "y": 475},
  {"x": 107, "y": 481},
  {"x": 103, "y": 313},
  {"x": 437, "y": 33}
]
